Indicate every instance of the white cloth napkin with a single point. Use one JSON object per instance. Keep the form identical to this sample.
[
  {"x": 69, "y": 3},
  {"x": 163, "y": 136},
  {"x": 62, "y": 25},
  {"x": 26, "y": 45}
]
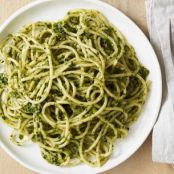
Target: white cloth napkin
[{"x": 160, "y": 18}]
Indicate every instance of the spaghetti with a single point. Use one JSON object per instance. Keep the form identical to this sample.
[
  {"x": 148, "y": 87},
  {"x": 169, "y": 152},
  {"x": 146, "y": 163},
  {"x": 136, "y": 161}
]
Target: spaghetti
[{"x": 73, "y": 87}]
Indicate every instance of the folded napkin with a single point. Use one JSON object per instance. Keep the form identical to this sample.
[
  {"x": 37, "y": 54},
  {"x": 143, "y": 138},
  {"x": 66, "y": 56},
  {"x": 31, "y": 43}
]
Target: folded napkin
[{"x": 160, "y": 18}]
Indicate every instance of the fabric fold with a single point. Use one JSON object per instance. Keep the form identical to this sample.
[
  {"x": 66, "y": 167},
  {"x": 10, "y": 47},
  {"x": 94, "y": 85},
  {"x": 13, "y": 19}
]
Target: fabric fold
[{"x": 159, "y": 14}]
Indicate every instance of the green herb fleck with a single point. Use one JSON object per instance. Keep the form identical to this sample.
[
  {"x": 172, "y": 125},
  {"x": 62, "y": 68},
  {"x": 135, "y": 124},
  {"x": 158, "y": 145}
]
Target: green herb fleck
[{"x": 143, "y": 72}]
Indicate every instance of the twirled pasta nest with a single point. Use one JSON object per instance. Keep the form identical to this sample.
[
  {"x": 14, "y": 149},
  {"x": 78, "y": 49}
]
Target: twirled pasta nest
[{"x": 72, "y": 86}]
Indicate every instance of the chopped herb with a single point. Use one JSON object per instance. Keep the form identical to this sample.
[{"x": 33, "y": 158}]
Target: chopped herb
[
  {"x": 59, "y": 28},
  {"x": 107, "y": 46},
  {"x": 143, "y": 72},
  {"x": 108, "y": 31},
  {"x": 74, "y": 20},
  {"x": 71, "y": 29},
  {"x": 3, "y": 80},
  {"x": 4, "y": 118},
  {"x": 29, "y": 108},
  {"x": 21, "y": 136}
]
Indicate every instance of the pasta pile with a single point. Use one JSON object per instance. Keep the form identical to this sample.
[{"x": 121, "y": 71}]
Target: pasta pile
[{"x": 73, "y": 87}]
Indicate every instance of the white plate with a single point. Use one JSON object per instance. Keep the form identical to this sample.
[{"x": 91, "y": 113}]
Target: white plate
[{"x": 52, "y": 10}]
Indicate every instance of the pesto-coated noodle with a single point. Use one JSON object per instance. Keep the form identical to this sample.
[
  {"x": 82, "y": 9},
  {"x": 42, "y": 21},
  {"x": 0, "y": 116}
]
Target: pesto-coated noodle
[{"x": 73, "y": 87}]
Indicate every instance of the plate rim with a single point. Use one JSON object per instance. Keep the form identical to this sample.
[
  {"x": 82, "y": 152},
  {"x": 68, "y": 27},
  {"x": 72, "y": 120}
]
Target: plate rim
[{"x": 30, "y": 5}]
